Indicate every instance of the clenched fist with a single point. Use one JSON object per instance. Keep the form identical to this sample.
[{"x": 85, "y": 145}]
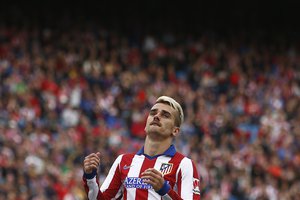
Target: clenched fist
[
  {"x": 91, "y": 162},
  {"x": 153, "y": 177}
]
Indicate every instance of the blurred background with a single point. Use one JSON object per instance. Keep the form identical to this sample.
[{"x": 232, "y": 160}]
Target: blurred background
[{"x": 76, "y": 78}]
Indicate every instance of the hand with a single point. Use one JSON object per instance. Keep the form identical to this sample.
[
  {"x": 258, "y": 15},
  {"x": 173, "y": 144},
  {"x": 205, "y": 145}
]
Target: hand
[
  {"x": 91, "y": 162},
  {"x": 154, "y": 178}
]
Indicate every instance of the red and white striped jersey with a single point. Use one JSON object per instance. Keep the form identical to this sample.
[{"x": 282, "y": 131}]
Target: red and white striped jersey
[{"x": 123, "y": 180}]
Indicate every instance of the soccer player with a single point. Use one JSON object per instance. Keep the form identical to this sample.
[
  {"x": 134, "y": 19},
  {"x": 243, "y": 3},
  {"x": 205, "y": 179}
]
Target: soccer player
[{"x": 156, "y": 171}]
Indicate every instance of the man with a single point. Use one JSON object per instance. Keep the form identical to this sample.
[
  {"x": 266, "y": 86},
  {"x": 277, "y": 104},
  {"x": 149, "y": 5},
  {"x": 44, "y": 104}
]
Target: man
[{"x": 156, "y": 171}]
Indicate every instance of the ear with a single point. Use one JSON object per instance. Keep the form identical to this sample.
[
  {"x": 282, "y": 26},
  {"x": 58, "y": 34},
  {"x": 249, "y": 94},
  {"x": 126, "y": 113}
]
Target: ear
[{"x": 175, "y": 131}]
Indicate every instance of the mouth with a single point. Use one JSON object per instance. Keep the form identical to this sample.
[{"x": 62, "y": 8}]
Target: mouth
[{"x": 155, "y": 124}]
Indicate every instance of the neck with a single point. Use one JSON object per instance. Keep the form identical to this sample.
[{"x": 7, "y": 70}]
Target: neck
[{"x": 154, "y": 147}]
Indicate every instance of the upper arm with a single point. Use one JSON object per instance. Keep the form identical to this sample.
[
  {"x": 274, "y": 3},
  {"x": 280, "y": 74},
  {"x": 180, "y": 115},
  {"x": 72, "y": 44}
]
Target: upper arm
[{"x": 188, "y": 180}]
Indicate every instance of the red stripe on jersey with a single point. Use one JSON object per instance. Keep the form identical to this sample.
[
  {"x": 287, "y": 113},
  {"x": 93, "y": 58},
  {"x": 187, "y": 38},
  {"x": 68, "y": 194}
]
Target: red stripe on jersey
[
  {"x": 179, "y": 182},
  {"x": 177, "y": 158},
  {"x": 126, "y": 161},
  {"x": 86, "y": 187},
  {"x": 148, "y": 163}
]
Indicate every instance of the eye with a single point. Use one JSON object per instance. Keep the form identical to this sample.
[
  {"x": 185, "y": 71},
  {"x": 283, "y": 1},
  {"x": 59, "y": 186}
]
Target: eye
[
  {"x": 152, "y": 112},
  {"x": 166, "y": 115}
]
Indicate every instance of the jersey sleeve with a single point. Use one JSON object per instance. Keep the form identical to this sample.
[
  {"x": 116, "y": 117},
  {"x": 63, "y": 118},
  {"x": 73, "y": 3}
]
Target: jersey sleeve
[
  {"x": 111, "y": 187},
  {"x": 187, "y": 182}
]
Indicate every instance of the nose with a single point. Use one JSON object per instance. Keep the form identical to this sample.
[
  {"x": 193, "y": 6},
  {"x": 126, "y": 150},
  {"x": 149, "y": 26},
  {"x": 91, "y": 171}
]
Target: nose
[{"x": 156, "y": 117}]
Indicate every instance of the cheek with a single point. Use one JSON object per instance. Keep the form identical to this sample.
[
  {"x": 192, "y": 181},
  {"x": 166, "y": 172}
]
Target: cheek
[
  {"x": 169, "y": 125},
  {"x": 148, "y": 120}
]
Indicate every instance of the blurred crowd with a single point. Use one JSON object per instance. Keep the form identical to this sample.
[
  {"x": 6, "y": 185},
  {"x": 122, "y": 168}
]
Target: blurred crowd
[{"x": 67, "y": 93}]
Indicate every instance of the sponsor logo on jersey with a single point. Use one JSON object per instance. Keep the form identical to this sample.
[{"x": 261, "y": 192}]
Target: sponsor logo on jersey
[
  {"x": 166, "y": 168},
  {"x": 136, "y": 182},
  {"x": 196, "y": 186}
]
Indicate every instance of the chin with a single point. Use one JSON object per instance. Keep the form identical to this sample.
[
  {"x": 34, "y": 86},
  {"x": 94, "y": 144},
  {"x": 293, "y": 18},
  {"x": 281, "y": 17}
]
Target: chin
[{"x": 154, "y": 129}]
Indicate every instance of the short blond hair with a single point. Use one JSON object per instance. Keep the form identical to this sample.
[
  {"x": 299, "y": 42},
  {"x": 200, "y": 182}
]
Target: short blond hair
[{"x": 174, "y": 104}]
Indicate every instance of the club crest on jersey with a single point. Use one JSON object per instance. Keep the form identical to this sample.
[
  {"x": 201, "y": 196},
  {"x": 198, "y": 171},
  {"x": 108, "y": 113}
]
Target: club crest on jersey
[{"x": 166, "y": 168}]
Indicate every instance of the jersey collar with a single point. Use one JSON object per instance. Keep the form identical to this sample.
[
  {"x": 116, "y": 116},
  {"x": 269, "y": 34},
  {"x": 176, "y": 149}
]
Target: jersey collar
[{"x": 169, "y": 152}]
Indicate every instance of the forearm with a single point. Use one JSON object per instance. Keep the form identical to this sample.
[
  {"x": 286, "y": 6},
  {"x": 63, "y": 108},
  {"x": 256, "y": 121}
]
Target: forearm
[
  {"x": 92, "y": 189},
  {"x": 91, "y": 186}
]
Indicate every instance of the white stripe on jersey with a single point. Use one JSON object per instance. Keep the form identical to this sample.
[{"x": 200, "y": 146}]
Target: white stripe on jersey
[
  {"x": 187, "y": 171},
  {"x": 134, "y": 171}
]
